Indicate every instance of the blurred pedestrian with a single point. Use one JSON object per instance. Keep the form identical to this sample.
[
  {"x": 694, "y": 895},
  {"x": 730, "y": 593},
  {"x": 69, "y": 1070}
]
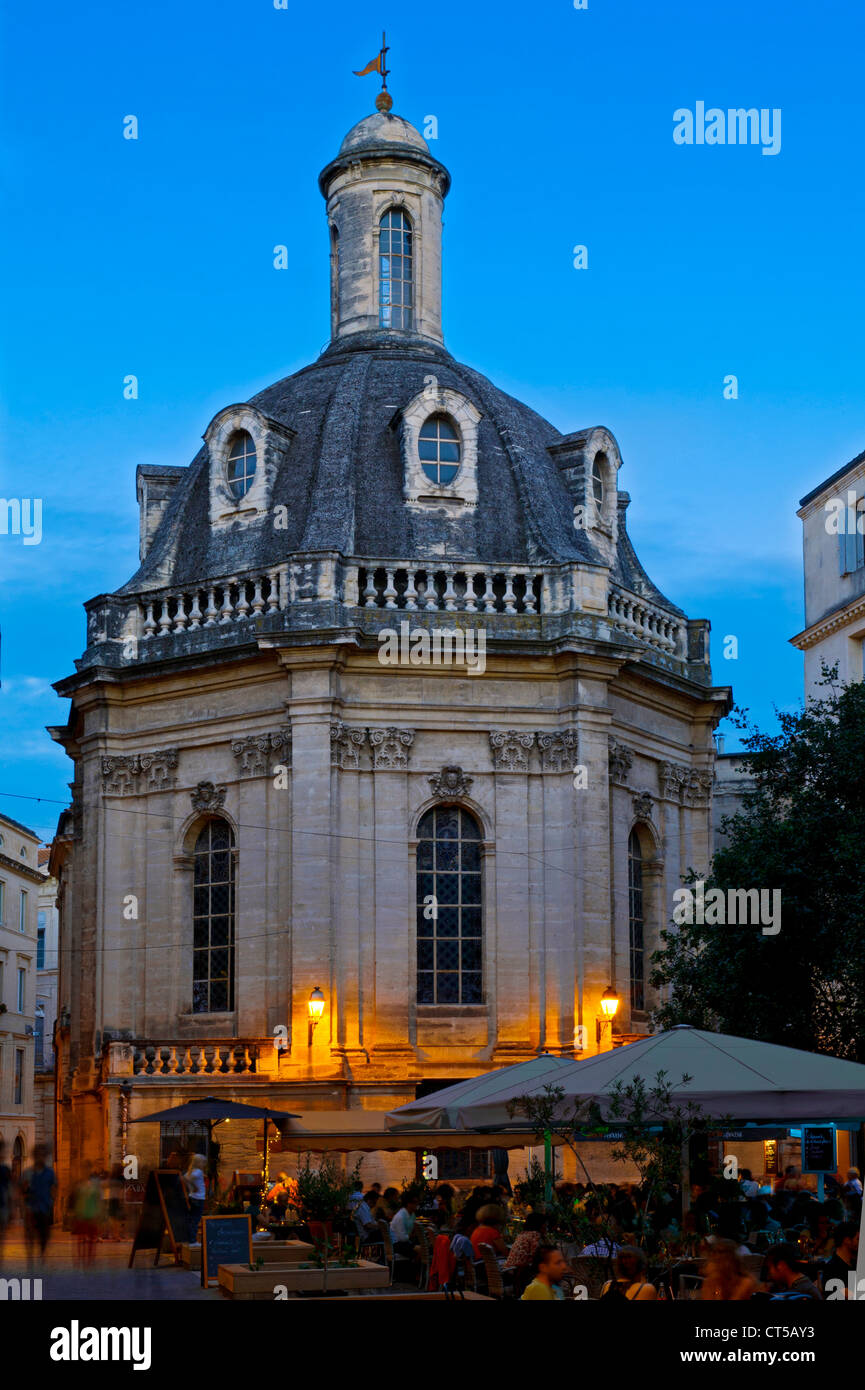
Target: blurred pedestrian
[
  {"x": 38, "y": 1189},
  {"x": 87, "y": 1211},
  {"x": 193, "y": 1181}
]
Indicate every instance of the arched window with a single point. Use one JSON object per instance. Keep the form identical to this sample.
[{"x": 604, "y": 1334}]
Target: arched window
[
  {"x": 439, "y": 449},
  {"x": 449, "y": 957},
  {"x": 598, "y": 480},
  {"x": 636, "y": 923},
  {"x": 213, "y": 920},
  {"x": 17, "y": 1158},
  {"x": 241, "y": 464},
  {"x": 396, "y": 275}
]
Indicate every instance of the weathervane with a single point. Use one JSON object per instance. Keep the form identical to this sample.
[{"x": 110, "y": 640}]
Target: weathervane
[{"x": 384, "y": 100}]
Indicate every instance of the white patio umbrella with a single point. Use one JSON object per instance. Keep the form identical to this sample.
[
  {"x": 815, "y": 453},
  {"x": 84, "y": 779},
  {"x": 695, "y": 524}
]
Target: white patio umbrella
[
  {"x": 444, "y": 1109},
  {"x": 733, "y": 1077}
]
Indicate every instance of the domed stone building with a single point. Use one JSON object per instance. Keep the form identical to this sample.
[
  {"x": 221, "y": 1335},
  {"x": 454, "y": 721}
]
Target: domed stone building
[{"x": 390, "y": 711}]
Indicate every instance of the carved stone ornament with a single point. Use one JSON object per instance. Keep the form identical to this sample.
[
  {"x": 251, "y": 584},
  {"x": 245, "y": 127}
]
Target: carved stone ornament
[
  {"x": 129, "y": 774},
  {"x": 643, "y": 805},
  {"x": 510, "y": 750},
  {"x": 253, "y": 752},
  {"x": 698, "y": 787},
  {"x": 208, "y": 797},
  {"x": 390, "y": 748},
  {"x": 620, "y": 761},
  {"x": 672, "y": 778},
  {"x": 558, "y": 749},
  {"x": 450, "y": 782},
  {"x": 345, "y": 746}
]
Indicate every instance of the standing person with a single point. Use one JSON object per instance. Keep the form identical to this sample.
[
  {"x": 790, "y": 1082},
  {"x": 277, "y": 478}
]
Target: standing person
[
  {"x": 5, "y": 1197},
  {"x": 853, "y": 1185},
  {"x": 548, "y": 1266},
  {"x": 38, "y": 1188},
  {"x": 193, "y": 1181}
]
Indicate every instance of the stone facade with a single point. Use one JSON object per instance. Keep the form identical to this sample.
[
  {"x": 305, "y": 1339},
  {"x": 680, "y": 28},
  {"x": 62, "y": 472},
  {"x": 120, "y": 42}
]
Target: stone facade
[
  {"x": 21, "y": 884},
  {"x": 833, "y": 553},
  {"x": 245, "y": 689}
]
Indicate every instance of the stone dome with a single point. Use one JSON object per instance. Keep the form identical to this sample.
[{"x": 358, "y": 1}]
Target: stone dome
[{"x": 381, "y": 129}]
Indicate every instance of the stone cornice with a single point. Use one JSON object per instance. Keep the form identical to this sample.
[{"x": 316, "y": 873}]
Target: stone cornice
[{"x": 849, "y": 613}]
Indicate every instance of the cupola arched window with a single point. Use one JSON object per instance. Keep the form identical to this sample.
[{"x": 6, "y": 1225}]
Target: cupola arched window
[
  {"x": 396, "y": 270},
  {"x": 439, "y": 449},
  {"x": 636, "y": 923},
  {"x": 242, "y": 460},
  {"x": 449, "y": 901},
  {"x": 598, "y": 481},
  {"x": 213, "y": 919}
]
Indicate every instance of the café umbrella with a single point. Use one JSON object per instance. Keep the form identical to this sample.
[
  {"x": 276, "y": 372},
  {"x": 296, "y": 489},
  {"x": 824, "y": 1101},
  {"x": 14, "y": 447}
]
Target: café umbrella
[{"x": 211, "y": 1110}]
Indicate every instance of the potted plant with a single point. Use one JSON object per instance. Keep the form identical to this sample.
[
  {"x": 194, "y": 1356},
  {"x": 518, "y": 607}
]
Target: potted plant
[{"x": 322, "y": 1194}]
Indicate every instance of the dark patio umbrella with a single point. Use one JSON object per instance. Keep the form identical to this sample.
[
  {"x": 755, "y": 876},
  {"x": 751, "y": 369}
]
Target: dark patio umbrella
[{"x": 211, "y": 1110}]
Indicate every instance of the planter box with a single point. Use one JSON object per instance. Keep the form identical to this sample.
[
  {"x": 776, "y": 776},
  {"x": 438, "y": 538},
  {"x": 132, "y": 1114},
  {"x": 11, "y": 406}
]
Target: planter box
[
  {"x": 282, "y": 1252},
  {"x": 236, "y": 1281}
]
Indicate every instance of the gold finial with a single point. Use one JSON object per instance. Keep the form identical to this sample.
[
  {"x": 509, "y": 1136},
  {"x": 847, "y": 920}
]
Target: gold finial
[{"x": 384, "y": 102}]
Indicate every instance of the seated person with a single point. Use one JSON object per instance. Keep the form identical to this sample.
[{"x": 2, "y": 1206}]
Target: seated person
[
  {"x": 837, "y": 1268},
  {"x": 488, "y": 1231},
  {"x": 786, "y": 1272},
  {"x": 548, "y": 1266},
  {"x": 630, "y": 1277},
  {"x": 365, "y": 1224}
]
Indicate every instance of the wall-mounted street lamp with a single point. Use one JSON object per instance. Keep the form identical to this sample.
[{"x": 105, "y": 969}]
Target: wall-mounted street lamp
[
  {"x": 609, "y": 1009},
  {"x": 316, "y": 1009}
]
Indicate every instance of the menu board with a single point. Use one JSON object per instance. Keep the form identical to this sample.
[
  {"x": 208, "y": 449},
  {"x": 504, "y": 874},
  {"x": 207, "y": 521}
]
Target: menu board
[
  {"x": 225, "y": 1240},
  {"x": 818, "y": 1149}
]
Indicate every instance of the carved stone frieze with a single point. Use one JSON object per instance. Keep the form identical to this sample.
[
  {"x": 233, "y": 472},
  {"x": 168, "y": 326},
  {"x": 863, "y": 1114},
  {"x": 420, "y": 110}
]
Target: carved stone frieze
[
  {"x": 390, "y": 748},
  {"x": 255, "y": 753},
  {"x": 510, "y": 749},
  {"x": 558, "y": 749},
  {"x": 620, "y": 762},
  {"x": 129, "y": 774},
  {"x": 345, "y": 746}
]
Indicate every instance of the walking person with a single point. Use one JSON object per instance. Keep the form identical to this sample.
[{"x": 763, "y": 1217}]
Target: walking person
[
  {"x": 87, "y": 1215},
  {"x": 38, "y": 1188}
]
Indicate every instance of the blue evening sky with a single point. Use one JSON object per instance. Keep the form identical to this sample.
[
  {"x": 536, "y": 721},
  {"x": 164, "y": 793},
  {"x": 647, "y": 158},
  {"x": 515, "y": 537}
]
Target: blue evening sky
[{"x": 155, "y": 257}]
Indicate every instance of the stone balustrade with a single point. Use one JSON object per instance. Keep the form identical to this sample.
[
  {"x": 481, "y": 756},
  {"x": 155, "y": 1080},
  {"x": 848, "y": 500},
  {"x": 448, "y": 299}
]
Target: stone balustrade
[
  {"x": 232, "y": 1056},
  {"x": 647, "y": 623},
  {"x": 213, "y": 605},
  {"x": 449, "y": 588}
]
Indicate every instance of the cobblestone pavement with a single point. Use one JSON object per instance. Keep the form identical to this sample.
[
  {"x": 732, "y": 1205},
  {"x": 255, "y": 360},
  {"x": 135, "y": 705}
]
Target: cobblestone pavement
[{"x": 106, "y": 1279}]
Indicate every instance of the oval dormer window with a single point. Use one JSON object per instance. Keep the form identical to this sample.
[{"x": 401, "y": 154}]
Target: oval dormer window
[
  {"x": 439, "y": 449},
  {"x": 241, "y": 465}
]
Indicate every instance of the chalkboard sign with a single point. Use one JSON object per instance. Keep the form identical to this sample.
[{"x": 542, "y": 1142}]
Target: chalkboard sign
[
  {"x": 164, "y": 1214},
  {"x": 225, "y": 1240},
  {"x": 818, "y": 1150}
]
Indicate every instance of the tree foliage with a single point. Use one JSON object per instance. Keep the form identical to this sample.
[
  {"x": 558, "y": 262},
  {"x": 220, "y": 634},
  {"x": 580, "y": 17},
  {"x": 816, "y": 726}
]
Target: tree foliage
[{"x": 801, "y": 830}]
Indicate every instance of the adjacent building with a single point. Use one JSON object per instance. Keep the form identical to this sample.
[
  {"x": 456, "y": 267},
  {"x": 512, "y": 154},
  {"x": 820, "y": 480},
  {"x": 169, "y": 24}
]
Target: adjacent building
[
  {"x": 390, "y": 715},
  {"x": 21, "y": 881},
  {"x": 833, "y": 545}
]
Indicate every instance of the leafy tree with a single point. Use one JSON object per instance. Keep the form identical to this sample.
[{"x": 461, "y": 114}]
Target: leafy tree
[{"x": 801, "y": 830}]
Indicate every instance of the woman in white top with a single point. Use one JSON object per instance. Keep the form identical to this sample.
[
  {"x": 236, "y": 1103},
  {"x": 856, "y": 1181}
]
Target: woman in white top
[{"x": 193, "y": 1181}]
